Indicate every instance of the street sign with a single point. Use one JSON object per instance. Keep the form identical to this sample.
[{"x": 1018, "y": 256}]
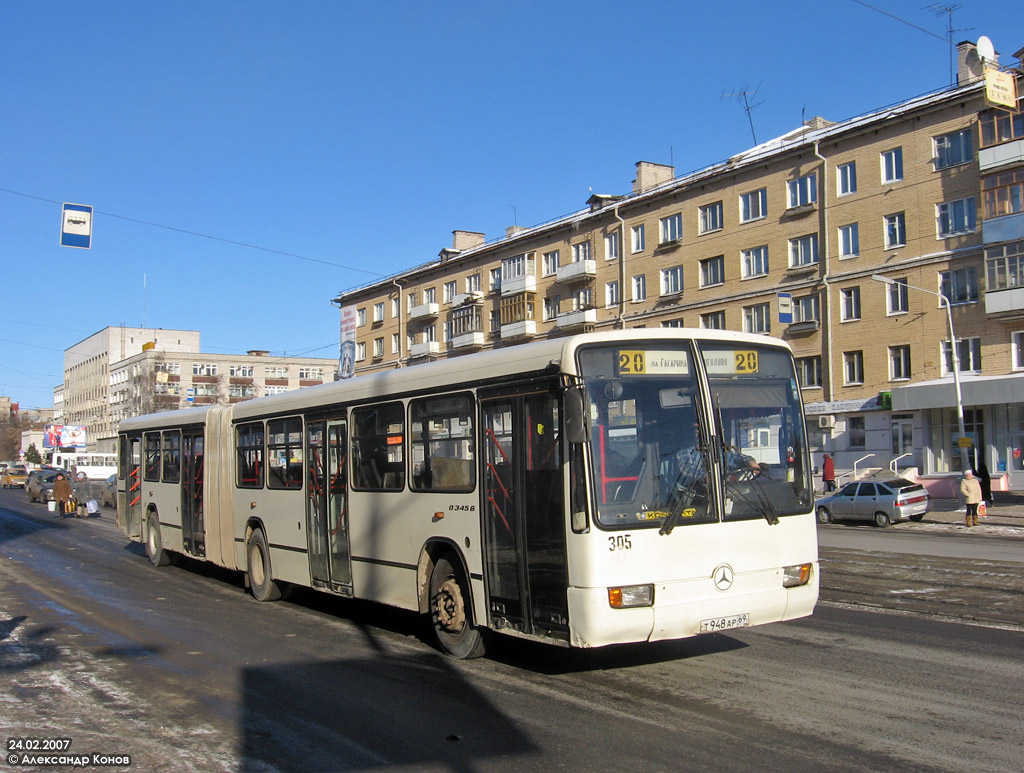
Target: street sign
[
  {"x": 76, "y": 226},
  {"x": 785, "y": 308},
  {"x": 190, "y": 395}
]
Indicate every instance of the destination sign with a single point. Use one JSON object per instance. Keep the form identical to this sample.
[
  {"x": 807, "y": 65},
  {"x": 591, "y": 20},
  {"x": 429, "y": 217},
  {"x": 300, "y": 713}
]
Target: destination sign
[
  {"x": 732, "y": 363},
  {"x": 651, "y": 362}
]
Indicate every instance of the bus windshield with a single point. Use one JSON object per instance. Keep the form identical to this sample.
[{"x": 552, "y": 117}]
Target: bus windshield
[{"x": 654, "y": 453}]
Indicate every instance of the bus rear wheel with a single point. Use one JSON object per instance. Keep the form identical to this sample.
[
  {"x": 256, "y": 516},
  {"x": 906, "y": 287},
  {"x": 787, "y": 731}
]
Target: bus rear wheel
[
  {"x": 261, "y": 579},
  {"x": 154, "y": 544},
  {"x": 450, "y": 613}
]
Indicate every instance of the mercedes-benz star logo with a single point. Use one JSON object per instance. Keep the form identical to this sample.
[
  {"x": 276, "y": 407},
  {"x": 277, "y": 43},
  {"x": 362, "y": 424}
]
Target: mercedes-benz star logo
[{"x": 723, "y": 576}]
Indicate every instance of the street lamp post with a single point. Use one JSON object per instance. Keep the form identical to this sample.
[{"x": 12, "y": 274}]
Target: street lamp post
[{"x": 965, "y": 461}]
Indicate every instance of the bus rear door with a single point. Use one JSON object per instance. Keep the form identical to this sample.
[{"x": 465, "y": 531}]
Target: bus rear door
[
  {"x": 192, "y": 516},
  {"x": 327, "y": 533},
  {"x": 524, "y": 522}
]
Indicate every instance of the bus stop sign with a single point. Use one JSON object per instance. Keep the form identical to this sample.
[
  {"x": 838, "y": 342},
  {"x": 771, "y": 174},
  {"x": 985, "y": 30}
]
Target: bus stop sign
[{"x": 76, "y": 226}]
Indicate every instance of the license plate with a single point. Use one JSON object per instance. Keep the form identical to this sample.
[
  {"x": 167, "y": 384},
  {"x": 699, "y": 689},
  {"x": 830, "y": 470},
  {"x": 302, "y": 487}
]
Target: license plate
[{"x": 723, "y": 623}]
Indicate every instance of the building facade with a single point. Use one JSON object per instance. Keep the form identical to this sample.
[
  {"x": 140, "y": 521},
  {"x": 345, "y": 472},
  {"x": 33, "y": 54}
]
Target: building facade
[
  {"x": 845, "y": 239},
  {"x": 122, "y": 372}
]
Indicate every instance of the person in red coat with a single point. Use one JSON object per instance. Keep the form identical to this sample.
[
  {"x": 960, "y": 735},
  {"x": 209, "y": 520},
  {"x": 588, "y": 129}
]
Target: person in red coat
[{"x": 828, "y": 473}]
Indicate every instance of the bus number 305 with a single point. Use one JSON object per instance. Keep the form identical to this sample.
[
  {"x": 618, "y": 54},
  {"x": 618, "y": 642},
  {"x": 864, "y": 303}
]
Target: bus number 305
[{"x": 619, "y": 542}]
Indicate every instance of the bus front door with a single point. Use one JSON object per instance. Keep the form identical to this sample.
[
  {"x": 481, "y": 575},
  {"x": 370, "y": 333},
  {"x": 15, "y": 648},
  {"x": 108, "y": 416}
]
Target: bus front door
[
  {"x": 192, "y": 521},
  {"x": 524, "y": 521},
  {"x": 129, "y": 499},
  {"x": 327, "y": 534}
]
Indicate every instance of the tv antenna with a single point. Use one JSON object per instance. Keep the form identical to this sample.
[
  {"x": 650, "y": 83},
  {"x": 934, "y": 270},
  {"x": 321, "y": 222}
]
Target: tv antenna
[
  {"x": 947, "y": 9},
  {"x": 745, "y": 95}
]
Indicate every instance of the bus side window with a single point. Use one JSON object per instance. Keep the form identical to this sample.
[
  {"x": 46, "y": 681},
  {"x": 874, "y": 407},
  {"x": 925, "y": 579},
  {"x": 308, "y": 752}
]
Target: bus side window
[
  {"x": 378, "y": 440},
  {"x": 152, "y": 445}
]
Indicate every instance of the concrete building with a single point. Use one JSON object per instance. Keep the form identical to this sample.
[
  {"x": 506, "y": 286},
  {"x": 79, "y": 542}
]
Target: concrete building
[
  {"x": 121, "y": 372},
  {"x": 787, "y": 239}
]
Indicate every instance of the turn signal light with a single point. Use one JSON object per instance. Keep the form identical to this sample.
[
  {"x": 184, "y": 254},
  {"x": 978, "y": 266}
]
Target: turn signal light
[
  {"x": 793, "y": 576},
  {"x": 631, "y": 596}
]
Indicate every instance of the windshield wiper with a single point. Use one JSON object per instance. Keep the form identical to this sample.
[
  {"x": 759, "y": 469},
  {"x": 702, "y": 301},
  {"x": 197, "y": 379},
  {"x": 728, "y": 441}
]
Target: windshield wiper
[
  {"x": 684, "y": 494},
  {"x": 764, "y": 503}
]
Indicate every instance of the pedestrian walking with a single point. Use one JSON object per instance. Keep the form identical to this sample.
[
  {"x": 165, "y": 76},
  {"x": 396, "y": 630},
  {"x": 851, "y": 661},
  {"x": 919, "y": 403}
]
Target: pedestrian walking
[
  {"x": 828, "y": 473},
  {"x": 970, "y": 488},
  {"x": 985, "y": 479},
  {"x": 61, "y": 494}
]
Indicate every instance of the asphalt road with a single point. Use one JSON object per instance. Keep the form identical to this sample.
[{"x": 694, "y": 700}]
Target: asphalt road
[{"x": 182, "y": 670}]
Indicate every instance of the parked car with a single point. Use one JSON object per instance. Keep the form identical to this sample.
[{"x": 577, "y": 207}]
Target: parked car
[
  {"x": 880, "y": 501},
  {"x": 40, "y": 485},
  {"x": 13, "y": 477},
  {"x": 110, "y": 491}
]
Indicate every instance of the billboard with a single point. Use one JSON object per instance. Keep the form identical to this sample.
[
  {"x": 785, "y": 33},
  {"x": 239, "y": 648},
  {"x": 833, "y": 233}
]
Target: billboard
[
  {"x": 347, "y": 358},
  {"x": 64, "y": 436}
]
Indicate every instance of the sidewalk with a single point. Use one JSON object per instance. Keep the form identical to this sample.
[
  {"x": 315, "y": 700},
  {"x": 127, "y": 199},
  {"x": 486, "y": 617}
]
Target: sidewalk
[{"x": 1006, "y": 510}]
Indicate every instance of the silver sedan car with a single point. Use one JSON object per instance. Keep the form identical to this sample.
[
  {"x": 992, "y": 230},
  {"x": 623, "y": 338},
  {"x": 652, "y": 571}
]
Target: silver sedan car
[{"x": 880, "y": 501}]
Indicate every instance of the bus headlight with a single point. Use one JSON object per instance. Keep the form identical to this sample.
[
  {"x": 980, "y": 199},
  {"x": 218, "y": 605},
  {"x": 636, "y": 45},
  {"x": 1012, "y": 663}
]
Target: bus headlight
[
  {"x": 792, "y": 576},
  {"x": 631, "y": 596}
]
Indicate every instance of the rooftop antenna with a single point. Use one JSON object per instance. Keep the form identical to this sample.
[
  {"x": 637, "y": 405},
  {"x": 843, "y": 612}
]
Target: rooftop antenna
[
  {"x": 745, "y": 94},
  {"x": 947, "y": 10}
]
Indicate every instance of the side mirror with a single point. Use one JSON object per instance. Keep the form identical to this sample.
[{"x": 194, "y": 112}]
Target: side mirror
[{"x": 577, "y": 425}]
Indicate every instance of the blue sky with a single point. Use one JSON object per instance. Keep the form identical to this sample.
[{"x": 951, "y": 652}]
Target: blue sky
[{"x": 357, "y": 136}]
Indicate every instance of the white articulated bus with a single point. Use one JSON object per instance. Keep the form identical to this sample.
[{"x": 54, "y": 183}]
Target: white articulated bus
[
  {"x": 610, "y": 487},
  {"x": 95, "y": 466}
]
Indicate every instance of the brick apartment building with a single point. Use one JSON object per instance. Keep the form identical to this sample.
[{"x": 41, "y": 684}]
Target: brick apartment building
[{"x": 927, "y": 194}]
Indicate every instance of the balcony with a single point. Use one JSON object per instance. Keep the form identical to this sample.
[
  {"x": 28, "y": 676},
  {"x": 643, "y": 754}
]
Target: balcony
[
  {"x": 525, "y": 329},
  {"x": 425, "y": 349},
  {"x": 1005, "y": 228},
  {"x": 424, "y": 311},
  {"x": 1001, "y": 155},
  {"x": 473, "y": 340},
  {"x": 572, "y": 272},
  {"x": 525, "y": 283},
  {"x": 465, "y": 299},
  {"x": 803, "y": 328},
  {"x": 575, "y": 320},
  {"x": 1007, "y": 302}
]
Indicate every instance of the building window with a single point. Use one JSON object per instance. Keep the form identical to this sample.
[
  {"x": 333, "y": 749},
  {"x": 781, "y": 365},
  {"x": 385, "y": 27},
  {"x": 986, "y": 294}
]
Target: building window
[
  {"x": 516, "y": 308},
  {"x": 849, "y": 241},
  {"x": 430, "y": 334},
  {"x": 240, "y": 371},
  {"x": 466, "y": 319},
  {"x": 846, "y": 179},
  {"x": 311, "y": 374},
  {"x": 360, "y": 351},
  {"x": 640, "y": 287},
  {"x": 275, "y": 371},
  {"x": 551, "y": 307},
  {"x": 953, "y": 148},
  {"x": 671, "y": 228},
  {"x": 611, "y": 293},
  {"x": 711, "y": 218},
  {"x": 396, "y": 307},
  {"x": 494, "y": 279},
  {"x": 757, "y": 318},
  {"x": 449, "y": 290},
  {"x": 581, "y": 251},
  {"x": 446, "y": 332},
  {"x": 204, "y": 369},
  {"x": 806, "y": 309},
  {"x": 1018, "y": 350},
  {"x": 713, "y": 320},
  {"x": 808, "y": 372},
  {"x": 856, "y": 432},
  {"x": 378, "y": 347},
  {"x": 895, "y": 230},
  {"x": 672, "y": 280},
  {"x": 753, "y": 205},
  {"x": 1005, "y": 266},
  {"x": 712, "y": 271},
  {"x": 245, "y": 391},
  {"x": 378, "y": 312},
  {"x": 955, "y": 217},
  {"x": 672, "y": 323},
  {"x": 892, "y": 165},
  {"x": 395, "y": 343},
  {"x": 473, "y": 283},
  {"x": 611, "y": 246},
  {"x": 551, "y": 263},
  {"x": 495, "y": 321},
  {"x": 170, "y": 368},
  {"x": 360, "y": 317},
  {"x": 1003, "y": 193},
  {"x": 968, "y": 351},
  {"x": 998, "y": 126},
  {"x": 959, "y": 285},
  {"x": 898, "y": 301},
  {"x": 430, "y": 295},
  {"x": 853, "y": 368},
  {"x": 850, "y": 300},
  {"x": 284, "y": 453},
  {"x": 803, "y": 190},
  {"x": 410, "y": 301},
  {"x": 637, "y": 238},
  {"x": 755, "y": 261},
  {"x": 899, "y": 363},
  {"x": 518, "y": 266},
  {"x": 582, "y": 300},
  {"x": 803, "y": 251}
]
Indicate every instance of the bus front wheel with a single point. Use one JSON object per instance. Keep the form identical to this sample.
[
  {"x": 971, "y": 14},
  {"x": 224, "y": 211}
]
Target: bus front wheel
[
  {"x": 261, "y": 580},
  {"x": 154, "y": 544},
  {"x": 450, "y": 613}
]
